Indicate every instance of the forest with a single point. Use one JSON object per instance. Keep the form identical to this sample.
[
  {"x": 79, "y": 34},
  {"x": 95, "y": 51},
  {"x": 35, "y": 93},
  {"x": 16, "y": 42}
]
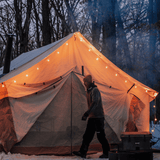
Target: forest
[{"x": 127, "y": 32}]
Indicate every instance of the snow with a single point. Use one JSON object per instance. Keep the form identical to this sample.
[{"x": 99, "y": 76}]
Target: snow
[
  {"x": 154, "y": 129},
  {"x": 10, "y": 156}
]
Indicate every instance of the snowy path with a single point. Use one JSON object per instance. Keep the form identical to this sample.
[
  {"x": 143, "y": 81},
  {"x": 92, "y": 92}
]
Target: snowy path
[{"x": 9, "y": 156}]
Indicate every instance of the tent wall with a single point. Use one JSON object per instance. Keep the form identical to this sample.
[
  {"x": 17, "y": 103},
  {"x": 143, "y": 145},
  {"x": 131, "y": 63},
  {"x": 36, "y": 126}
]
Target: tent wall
[{"x": 47, "y": 99}]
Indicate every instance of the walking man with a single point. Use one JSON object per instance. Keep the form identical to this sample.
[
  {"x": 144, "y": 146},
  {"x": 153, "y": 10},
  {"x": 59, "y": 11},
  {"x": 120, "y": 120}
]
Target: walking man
[{"x": 95, "y": 123}]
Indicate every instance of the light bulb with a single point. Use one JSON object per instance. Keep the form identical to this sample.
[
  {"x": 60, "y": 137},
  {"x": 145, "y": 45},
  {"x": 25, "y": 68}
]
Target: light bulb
[
  {"x": 2, "y": 85},
  {"x": 146, "y": 90},
  {"x": 97, "y": 59},
  {"x": 67, "y": 44},
  {"x": 89, "y": 50},
  {"x": 14, "y": 81},
  {"x": 48, "y": 60},
  {"x": 135, "y": 86},
  {"x": 106, "y": 66},
  {"x": 154, "y": 106},
  {"x": 57, "y": 52},
  {"x": 26, "y": 75},
  {"x": 37, "y": 68},
  {"x": 116, "y": 74},
  {"x": 155, "y": 94},
  {"x": 152, "y": 130},
  {"x": 155, "y": 119},
  {"x": 125, "y": 81}
]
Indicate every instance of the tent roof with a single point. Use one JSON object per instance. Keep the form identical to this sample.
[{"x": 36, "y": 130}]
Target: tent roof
[
  {"x": 28, "y": 56},
  {"x": 54, "y": 60}
]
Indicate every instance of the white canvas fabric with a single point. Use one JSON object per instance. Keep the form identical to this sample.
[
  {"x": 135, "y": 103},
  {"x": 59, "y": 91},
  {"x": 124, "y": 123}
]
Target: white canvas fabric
[{"x": 26, "y": 110}]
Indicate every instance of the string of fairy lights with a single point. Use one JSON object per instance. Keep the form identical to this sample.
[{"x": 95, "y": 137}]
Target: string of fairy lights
[
  {"x": 90, "y": 49},
  {"x": 155, "y": 117}
]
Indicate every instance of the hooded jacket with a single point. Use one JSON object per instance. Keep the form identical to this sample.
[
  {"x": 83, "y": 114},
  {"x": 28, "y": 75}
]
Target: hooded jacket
[{"x": 95, "y": 108}]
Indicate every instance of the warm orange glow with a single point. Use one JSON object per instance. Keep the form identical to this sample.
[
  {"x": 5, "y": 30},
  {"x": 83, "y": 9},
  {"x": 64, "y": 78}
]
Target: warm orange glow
[
  {"x": 116, "y": 74},
  {"x": 155, "y": 94},
  {"x": 135, "y": 86},
  {"x": 125, "y": 81},
  {"x": 81, "y": 39},
  {"x": 26, "y": 75},
  {"x": 37, "y": 68},
  {"x": 106, "y": 66},
  {"x": 2, "y": 85},
  {"x": 152, "y": 130},
  {"x": 97, "y": 59},
  {"x": 67, "y": 44},
  {"x": 155, "y": 119},
  {"x": 89, "y": 50},
  {"x": 48, "y": 60},
  {"x": 57, "y": 52},
  {"x": 146, "y": 90},
  {"x": 14, "y": 81},
  {"x": 154, "y": 106}
]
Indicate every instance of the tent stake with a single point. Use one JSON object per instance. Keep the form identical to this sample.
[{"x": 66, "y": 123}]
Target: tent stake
[{"x": 131, "y": 87}]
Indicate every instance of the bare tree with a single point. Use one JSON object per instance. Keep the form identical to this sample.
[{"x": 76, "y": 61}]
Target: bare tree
[{"x": 22, "y": 29}]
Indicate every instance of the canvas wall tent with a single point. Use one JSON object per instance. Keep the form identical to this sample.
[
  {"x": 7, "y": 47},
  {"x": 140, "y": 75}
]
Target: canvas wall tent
[{"x": 43, "y": 98}]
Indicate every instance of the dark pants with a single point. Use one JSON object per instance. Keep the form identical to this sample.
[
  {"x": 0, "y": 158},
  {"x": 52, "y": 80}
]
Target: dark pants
[{"x": 95, "y": 125}]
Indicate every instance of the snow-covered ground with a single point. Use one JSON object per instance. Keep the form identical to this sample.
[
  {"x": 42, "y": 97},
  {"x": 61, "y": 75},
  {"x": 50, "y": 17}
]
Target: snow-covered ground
[
  {"x": 154, "y": 129},
  {"x": 9, "y": 156}
]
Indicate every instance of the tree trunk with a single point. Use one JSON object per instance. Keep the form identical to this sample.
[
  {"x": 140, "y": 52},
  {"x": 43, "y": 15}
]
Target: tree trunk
[
  {"x": 71, "y": 16},
  {"x": 109, "y": 30},
  {"x": 46, "y": 33},
  {"x": 95, "y": 12},
  {"x": 158, "y": 15},
  {"x": 122, "y": 40},
  {"x": 23, "y": 31},
  {"x": 153, "y": 34},
  {"x": 37, "y": 25}
]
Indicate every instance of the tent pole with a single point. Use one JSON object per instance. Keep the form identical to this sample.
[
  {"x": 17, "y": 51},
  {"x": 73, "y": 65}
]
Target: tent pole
[
  {"x": 71, "y": 112},
  {"x": 131, "y": 87},
  {"x": 82, "y": 70}
]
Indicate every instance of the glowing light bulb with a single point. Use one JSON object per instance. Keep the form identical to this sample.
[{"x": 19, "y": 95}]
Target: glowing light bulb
[
  {"x": 26, "y": 75},
  {"x": 155, "y": 94},
  {"x": 135, "y": 86},
  {"x": 37, "y": 68},
  {"x": 152, "y": 130},
  {"x": 89, "y": 50},
  {"x": 48, "y": 60},
  {"x": 14, "y": 81},
  {"x": 106, "y": 66},
  {"x": 97, "y": 59},
  {"x": 155, "y": 119},
  {"x": 67, "y": 44},
  {"x": 154, "y": 106},
  {"x": 57, "y": 52},
  {"x": 2, "y": 85},
  {"x": 125, "y": 81},
  {"x": 116, "y": 74},
  {"x": 146, "y": 90}
]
